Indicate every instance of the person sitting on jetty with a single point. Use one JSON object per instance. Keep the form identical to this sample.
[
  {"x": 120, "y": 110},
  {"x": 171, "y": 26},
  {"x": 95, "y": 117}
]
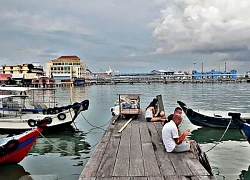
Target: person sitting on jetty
[
  {"x": 177, "y": 110},
  {"x": 173, "y": 140},
  {"x": 150, "y": 114},
  {"x": 157, "y": 109}
]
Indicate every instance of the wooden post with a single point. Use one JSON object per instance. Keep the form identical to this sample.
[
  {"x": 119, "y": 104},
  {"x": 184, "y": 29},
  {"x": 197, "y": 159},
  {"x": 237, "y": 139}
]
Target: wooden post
[{"x": 160, "y": 103}]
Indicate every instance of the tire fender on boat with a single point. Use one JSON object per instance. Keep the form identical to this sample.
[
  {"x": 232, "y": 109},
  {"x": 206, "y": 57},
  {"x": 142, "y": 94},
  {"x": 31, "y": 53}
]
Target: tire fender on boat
[
  {"x": 11, "y": 146},
  {"x": 61, "y": 116},
  {"x": 56, "y": 110},
  {"x": 44, "y": 111},
  {"x": 48, "y": 120},
  {"x": 32, "y": 122},
  {"x": 50, "y": 111}
]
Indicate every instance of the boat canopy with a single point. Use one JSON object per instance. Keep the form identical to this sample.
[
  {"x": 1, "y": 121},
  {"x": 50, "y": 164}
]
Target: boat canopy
[
  {"x": 21, "y": 89},
  {"x": 7, "y": 96}
]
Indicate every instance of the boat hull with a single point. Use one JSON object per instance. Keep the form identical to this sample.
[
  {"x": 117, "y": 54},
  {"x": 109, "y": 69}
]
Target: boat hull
[
  {"x": 61, "y": 120},
  {"x": 15, "y": 148},
  {"x": 200, "y": 119}
]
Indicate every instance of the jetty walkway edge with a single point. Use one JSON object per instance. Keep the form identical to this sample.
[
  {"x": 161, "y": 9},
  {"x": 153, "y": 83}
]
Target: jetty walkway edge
[{"x": 137, "y": 153}]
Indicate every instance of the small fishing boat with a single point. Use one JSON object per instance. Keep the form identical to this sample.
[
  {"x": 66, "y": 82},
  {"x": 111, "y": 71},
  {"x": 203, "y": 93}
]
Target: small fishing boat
[
  {"x": 127, "y": 105},
  {"x": 19, "y": 104},
  {"x": 13, "y": 149},
  {"x": 215, "y": 119}
]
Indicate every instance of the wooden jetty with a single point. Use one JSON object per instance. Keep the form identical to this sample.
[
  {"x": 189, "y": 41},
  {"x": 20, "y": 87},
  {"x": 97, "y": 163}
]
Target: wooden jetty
[{"x": 137, "y": 153}]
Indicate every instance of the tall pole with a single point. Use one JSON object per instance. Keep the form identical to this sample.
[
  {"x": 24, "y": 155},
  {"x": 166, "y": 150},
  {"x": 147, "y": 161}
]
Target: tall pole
[
  {"x": 225, "y": 67},
  {"x": 202, "y": 70}
]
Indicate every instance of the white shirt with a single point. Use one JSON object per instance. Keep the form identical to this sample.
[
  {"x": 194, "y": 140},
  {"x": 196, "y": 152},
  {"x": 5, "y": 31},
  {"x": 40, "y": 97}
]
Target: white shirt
[
  {"x": 169, "y": 132},
  {"x": 148, "y": 113}
]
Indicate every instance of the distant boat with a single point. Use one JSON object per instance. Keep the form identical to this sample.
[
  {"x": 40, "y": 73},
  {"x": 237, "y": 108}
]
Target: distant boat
[
  {"x": 79, "y": 82},
  {"x": 14, "y": 149},
  {"x": 216, "y": 119}
]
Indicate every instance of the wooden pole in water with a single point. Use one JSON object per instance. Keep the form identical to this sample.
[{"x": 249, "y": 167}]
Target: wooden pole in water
[
  {"x": 160, "y": 103},
  {"x": 124, "y": 126}
]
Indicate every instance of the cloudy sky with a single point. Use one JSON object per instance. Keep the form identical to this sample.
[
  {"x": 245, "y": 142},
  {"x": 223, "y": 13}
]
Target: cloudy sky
[{"x": 128, "y": 35}]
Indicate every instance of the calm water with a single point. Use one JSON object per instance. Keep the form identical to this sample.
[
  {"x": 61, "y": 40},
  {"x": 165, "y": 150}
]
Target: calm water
[{"x": 230, "y": 159}]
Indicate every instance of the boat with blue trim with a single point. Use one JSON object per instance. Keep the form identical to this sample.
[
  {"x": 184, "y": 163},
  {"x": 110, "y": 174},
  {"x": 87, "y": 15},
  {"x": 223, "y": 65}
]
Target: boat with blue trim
[{"x": 19, "y": 104}]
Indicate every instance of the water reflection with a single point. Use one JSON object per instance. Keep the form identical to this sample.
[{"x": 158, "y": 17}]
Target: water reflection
[
  {"x": 12, "y": 172},
  {"x": 209, "y": 135},
  {"x": 245, "y": 174},
  {"x": 68, "y": 143}
]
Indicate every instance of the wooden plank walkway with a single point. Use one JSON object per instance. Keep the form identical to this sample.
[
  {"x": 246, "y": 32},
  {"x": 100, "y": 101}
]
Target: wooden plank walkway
[{"x": 137, "y": 153}]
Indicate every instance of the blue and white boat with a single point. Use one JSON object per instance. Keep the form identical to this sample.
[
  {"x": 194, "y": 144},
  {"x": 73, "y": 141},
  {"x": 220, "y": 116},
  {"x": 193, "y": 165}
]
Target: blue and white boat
[{"x": 18, "y": 105}]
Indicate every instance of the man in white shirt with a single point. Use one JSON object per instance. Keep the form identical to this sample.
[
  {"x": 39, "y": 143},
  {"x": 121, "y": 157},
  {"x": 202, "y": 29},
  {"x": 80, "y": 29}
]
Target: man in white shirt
[{"x": 174, "y": 141}]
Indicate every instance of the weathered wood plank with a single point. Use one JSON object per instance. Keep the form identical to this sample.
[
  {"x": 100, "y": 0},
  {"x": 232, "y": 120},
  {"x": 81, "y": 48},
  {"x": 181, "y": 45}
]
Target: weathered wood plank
[
  {"x": 194, "y": 165},
  {"x": 138, "y": 178},
  {"x": 158, "y": 127},
  {"x": 107, "y": 164},
  {"x": 122, "y": 160},
  {"x": 156, "y": 178},
  {"x": 92, "y": 166},
  {"x": 164, "y": 162},
  {"x": 203, "y": 178},
  {"x": 90, "y": 178},
  {"x": 114, "y": 178},
  {"x": 179, "y": 164},
  {"x": 145, "y": 137},
  {"x": 176, "y": 178},
  {"x": 149, "y": 159},
  {"x": 136, "y": 167}
]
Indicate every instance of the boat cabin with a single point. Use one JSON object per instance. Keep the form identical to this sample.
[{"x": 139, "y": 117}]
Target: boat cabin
[{"x": 29, "y": 99}]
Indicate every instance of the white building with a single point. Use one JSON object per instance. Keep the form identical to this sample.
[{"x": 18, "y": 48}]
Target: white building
[{"x": 66, "y": 69}]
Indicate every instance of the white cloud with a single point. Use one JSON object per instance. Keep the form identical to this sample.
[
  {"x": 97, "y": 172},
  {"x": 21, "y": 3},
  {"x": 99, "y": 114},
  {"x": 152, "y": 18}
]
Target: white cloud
[
  {"x": 131, "y": 55},
  {"x": 203, "y": 26}
]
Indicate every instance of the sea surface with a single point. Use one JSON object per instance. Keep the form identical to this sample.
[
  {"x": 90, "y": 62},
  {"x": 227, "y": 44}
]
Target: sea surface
[{"x": 63, "y": 155}]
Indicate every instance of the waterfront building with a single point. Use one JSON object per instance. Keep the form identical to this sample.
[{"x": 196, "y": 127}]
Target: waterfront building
[
  {"x": 24, "y": 72},
  {"x": 213, "y": 74},
  {"x": 33, "y": 68},
  {"x": 66, "y": 69}
]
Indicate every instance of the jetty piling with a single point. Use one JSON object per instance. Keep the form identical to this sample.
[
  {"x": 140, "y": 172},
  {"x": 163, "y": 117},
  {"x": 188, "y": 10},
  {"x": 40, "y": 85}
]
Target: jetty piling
[{"x": 137, "y": 153}]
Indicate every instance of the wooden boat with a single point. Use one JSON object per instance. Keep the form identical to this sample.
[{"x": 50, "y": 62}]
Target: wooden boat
[
  {"x": 216, "y": 119},
  {"x": 127, "y": 105},
  {"x": 13, "y": 149},
  {"x": 16, "y": 110}
]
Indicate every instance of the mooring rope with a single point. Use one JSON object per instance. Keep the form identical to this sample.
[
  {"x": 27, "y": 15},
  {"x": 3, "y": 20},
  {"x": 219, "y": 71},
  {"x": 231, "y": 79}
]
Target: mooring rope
[
  {"x": 221, "y": 136},
  {"x": 52, "y": 143},
  {"x": 99, "y": 127},
  {"x": 58, "y": 147}
]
